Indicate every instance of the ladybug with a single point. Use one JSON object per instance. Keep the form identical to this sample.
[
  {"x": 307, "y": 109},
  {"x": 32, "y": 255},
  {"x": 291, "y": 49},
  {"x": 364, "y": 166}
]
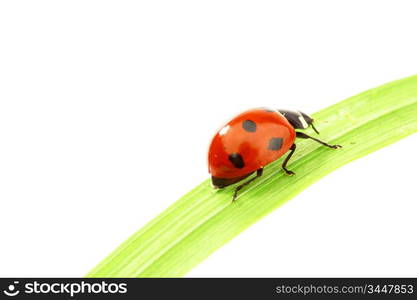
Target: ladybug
[{"x": 254, "y": 139}]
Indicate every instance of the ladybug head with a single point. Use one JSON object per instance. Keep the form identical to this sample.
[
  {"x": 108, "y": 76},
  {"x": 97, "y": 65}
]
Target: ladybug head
[{"x": 298, "y": 119}]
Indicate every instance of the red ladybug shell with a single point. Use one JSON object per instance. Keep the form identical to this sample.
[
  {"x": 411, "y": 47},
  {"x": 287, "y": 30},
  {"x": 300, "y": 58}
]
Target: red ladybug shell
[{"x": 248, "y": 142}]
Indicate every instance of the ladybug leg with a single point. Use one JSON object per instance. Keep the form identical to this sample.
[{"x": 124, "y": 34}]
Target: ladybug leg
[
  {"x": 306, "y": 136},
  {"x": 258, "y": 174},
  {"x": 284, "y": 164}
]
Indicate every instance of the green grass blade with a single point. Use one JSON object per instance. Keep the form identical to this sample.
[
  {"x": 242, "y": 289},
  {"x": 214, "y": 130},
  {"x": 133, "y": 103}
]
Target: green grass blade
[{"x": 204, "y": 219}]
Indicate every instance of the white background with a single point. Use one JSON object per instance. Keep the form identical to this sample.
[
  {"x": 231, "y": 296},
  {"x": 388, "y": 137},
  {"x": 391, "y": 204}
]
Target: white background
[{"x": 107, "y": 109}]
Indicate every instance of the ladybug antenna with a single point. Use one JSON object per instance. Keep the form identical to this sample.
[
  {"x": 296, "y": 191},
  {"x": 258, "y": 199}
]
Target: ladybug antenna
[{"x": 314, "y": 128}]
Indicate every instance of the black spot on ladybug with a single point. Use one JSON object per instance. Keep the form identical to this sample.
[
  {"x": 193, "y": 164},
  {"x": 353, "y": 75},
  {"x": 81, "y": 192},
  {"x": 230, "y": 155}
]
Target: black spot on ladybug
[
  {"x": 275, "y": 143},
  {"x": 223, "y": 182},
  {"x": 249, "y": 125},
  {"x": 237, "y": 160}
]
